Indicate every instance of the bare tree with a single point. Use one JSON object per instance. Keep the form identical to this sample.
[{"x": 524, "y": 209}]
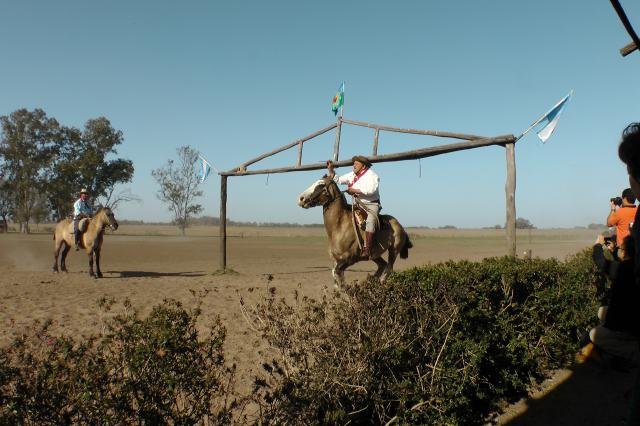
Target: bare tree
[
  {"x": 113, "y": 199},
  {"x": 179, "y": 186}
]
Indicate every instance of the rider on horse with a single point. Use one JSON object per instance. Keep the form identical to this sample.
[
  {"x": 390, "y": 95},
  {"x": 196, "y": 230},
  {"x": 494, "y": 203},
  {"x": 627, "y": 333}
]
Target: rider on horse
[
  {"x": 81, "y": 209},
  {"x": 362, "y": 183}
]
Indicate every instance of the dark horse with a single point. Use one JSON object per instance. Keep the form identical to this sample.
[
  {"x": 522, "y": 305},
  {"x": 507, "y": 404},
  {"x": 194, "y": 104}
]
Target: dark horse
[
  {"x": 90, "y": 240},
  {"x": 344, "y": 246}
]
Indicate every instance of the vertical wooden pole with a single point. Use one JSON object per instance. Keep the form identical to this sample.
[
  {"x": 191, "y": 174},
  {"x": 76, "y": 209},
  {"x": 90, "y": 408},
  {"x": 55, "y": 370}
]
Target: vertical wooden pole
[
  {"x": 299, "y": 154},
  {"x": 375, "y": 142},
  {"x": 510, "y": 192},
  {"x": 223, "y": 223},
  {"x": 336, "y": 146}
]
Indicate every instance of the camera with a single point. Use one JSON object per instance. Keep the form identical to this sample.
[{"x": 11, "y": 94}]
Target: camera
[{"x": 616, "y": 200}]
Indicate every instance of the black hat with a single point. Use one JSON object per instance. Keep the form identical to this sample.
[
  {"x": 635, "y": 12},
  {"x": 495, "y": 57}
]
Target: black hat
[{"x": 361, "y": 159}]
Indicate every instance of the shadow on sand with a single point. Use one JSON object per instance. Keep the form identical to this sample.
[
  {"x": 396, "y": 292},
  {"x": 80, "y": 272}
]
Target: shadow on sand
[
  {"x": 584, "y": 395},
  {"x": 146, "y": 274}
]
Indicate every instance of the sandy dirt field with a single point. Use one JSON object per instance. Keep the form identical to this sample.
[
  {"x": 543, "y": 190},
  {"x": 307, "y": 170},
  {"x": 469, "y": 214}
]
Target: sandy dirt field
[{"x": 147, "y": 264}]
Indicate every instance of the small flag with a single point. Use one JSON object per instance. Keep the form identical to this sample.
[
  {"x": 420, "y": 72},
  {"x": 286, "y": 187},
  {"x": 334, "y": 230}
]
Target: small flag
[
  {"x": 205, "y": 169},
  {"x": 338, "y": 100},
  {"x": 551, "y": 118}
]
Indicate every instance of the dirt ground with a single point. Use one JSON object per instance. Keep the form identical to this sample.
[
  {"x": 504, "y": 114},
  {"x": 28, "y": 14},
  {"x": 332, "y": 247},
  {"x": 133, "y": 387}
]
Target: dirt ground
[{"x": 147, "y": 265}]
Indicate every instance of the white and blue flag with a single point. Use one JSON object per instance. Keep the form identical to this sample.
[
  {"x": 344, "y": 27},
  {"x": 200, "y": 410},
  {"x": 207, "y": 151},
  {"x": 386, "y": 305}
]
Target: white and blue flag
[
  {"x": 549, "y": 121},
  {"x": 205, "y": 169},
  {"x": 551, "y": 118}
]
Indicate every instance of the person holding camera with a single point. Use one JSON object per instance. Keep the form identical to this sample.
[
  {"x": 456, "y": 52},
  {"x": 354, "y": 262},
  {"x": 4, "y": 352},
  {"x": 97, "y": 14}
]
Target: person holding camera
[
  {"x": 614, "y": 340},
  {"x": 622, "y": 214}
]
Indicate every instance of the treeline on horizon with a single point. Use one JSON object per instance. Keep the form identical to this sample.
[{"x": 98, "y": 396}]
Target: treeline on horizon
[{"x": 215, "y": 221}]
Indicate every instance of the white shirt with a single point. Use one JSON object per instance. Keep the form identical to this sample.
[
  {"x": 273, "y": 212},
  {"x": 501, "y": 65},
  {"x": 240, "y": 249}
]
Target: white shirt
[
  {"x": 81, "y": 207},
  {"x": 367, "y": 184}
]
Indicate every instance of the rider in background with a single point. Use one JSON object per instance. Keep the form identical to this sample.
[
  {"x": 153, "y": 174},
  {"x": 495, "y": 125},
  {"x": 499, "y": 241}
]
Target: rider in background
[
  {"x": 362, "y": 183},
  {"x": 81, "y": 209}
]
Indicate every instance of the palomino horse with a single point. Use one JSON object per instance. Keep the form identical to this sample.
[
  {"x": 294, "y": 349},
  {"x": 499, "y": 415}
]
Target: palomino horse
[
  {"x": 90, "y": 240},
  {"x": 344, "y": 245}
]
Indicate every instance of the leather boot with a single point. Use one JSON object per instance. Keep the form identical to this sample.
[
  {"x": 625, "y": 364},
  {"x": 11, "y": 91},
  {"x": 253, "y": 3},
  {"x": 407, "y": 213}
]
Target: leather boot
[
  {"x": 76, "y": 235},
  {"x": 368, "y": 241}
]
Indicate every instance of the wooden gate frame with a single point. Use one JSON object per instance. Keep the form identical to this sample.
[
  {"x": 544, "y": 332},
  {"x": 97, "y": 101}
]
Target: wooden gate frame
[{"x": 471, "y": 142}]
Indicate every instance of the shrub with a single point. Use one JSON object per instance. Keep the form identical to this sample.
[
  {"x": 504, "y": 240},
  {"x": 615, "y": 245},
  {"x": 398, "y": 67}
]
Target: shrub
[
  {"x": 441, "y": 344},
  {"x": 152, "y": 370}
]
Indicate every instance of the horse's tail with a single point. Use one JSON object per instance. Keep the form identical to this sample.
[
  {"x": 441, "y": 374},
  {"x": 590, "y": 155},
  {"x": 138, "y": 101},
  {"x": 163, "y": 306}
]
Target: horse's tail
[{"x": 404, "y": 251}]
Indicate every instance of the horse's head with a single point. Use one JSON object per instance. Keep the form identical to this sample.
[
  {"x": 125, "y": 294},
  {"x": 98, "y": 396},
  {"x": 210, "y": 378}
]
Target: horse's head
[
  {"x": 319, "y": 193},
  {"x": 108, "y": 218}
]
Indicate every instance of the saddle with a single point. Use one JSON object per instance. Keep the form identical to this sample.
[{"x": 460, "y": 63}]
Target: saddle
[
  {"x": 83, "y": 224},
  {"x": 360, "y": 218}
]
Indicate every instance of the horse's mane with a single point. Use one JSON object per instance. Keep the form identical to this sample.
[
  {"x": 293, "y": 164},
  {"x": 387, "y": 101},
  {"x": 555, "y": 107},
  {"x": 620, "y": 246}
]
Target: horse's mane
[{"x": 333, "y": 183}]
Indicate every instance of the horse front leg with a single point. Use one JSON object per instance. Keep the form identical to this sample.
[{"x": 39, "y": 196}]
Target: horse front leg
[
  {"x": 63, "y": 257},
  {"x": 98, "y": 271},
  {"x": 338, "y": 273},
  {"x": 91, "y": 274}
]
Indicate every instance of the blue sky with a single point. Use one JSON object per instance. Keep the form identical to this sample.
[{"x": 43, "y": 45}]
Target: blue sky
[{"x": 236, "y": 79}]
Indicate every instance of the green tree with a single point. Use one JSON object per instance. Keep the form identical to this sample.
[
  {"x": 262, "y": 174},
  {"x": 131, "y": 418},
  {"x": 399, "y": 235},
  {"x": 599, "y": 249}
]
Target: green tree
[
  {"x": 179, "y": 186},
  {"x": 29, "y": 144},
  {"x": 6, "y": 204},
  {"x": 83, "y": 163},
  {"x": 522, "y": 223}
]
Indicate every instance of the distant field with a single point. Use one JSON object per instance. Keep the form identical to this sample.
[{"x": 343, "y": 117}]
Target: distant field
[{"x": 443, "y": 244}]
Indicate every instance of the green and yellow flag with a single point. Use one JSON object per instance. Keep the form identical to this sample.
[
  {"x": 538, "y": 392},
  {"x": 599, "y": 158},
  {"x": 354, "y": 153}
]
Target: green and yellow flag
[{"x": 338, "y": 100}]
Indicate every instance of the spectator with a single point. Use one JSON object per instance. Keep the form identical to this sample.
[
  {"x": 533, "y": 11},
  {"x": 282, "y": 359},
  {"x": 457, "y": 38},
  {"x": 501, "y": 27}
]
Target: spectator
[
  {"x": 622, "y": 216},
  {"x": 615, "y": 339}
]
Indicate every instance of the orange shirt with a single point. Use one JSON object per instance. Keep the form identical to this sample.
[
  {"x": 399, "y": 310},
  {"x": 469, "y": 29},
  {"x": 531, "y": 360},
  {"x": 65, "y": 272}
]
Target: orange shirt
[{"x": 623, "y": 220}]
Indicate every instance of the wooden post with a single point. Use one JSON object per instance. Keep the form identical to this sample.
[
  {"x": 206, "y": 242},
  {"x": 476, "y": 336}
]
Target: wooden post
[
  {"x": 336, "y": 146},
  {"x": 299, "y": 163},
  {"x": 376, "y": 133},
  {"x": 510, "y": 192},
  {"x": 223, "y": 223}
]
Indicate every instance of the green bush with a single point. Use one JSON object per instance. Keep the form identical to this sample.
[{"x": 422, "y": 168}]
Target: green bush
[
  {"x": 154, "y": 370},
  {"x": 441, "y": 344}
]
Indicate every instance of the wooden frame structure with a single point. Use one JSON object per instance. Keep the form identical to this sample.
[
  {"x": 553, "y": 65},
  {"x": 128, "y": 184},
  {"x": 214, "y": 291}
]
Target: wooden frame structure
[
  {"x": 470, "y": 142},
  {"x": 635, "y": 43}
]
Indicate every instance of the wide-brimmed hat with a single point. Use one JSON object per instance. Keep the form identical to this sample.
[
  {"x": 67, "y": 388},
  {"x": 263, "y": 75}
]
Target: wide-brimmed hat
[
  {"x": 361, "y": 159},
  {"x": 84, "y": 191}
]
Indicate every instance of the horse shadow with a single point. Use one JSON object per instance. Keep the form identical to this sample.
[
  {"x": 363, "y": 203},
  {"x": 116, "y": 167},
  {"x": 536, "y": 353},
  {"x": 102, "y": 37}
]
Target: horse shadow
[
  {"x": 589, "y": 395},
  {"x": 150, "y": 274}
]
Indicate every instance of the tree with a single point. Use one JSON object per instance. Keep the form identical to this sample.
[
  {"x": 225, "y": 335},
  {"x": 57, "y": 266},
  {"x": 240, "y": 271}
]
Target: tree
[
  {"x": 178, "y": 186},
  {"x": 29, "y": 144},
  {"x": 6, "y": 204},
  {"x": 83, "y": 163},
  {"x": 522, "y": 223}
]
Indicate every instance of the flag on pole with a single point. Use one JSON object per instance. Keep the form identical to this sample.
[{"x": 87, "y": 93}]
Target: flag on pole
[
  {"x": 551, "y": 118},
  {"x": 338, "y": 100},
  {"x": 205, "y": 169}
]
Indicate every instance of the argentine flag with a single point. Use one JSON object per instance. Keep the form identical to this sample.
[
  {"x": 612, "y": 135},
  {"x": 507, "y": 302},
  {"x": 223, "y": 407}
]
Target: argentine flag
[
  {"x": 205, "y": 169},
  {"x": 550, "y": 119}
]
